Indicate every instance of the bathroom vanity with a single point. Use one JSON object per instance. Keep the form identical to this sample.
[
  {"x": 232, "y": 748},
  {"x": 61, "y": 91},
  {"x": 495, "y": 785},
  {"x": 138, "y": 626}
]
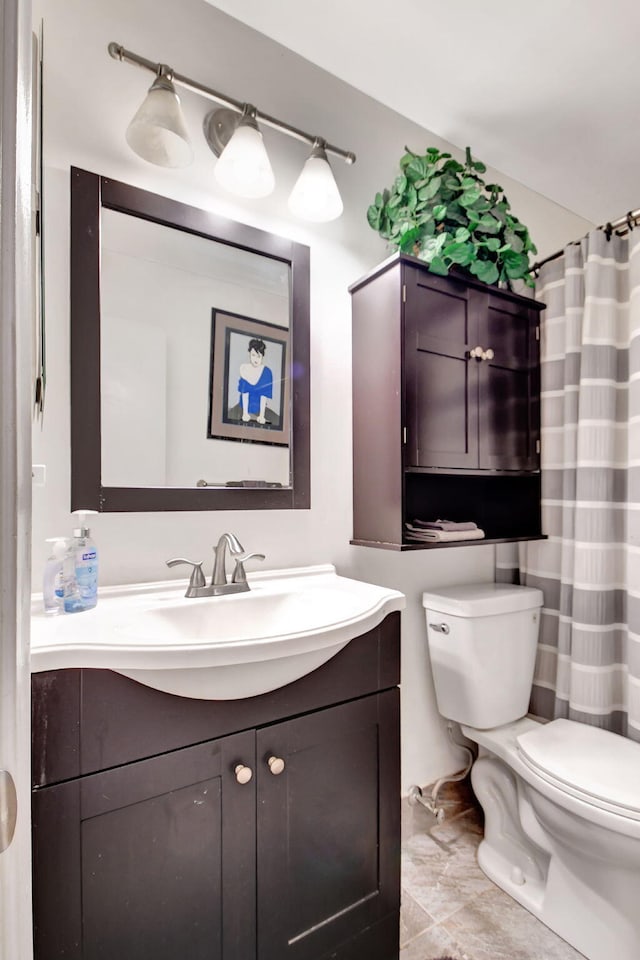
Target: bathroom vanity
[{"x": 267, "y": 826}]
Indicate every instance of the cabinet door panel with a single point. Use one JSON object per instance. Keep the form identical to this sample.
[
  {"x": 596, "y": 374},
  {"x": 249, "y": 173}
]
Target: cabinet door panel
[
  {"x": 441, "y": 383},
  {"x": 508, "y": 388},
  {"x": 326, "y": 828},
  {"x": 152, "y": 884},
  {"x": 152, "y": 856}
]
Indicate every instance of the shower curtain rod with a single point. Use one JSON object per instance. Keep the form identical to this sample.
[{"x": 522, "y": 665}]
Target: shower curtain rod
[{"x": 627, "y": 223}]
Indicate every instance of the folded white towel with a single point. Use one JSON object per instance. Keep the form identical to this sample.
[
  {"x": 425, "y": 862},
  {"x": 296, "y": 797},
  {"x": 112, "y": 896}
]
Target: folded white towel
[
  {"x": 445, "y": 525},
  {"x": 442, "y": 536}
]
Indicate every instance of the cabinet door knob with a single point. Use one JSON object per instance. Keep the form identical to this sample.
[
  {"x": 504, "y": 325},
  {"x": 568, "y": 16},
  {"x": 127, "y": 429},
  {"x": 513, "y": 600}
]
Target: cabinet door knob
[
  {"x": 476, "y": 353},
  {"x": 243, "y": 774},
  {"x": 276, "y": 765},
  {"x": 488, "y": 354}
]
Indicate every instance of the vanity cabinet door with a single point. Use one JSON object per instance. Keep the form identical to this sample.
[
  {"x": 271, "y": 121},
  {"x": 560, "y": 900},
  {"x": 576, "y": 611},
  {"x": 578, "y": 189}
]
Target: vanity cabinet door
[
  {"x": 133, "y": 862},
  {"x": 327, "y": 833}
]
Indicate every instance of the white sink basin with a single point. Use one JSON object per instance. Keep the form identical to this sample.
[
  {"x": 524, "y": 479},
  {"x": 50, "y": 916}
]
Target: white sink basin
[{"x": 289, "y": 623}]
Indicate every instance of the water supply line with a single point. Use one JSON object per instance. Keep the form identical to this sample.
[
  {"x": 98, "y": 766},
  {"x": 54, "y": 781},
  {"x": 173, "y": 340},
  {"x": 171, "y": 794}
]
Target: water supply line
[{"x": 416, "y": 795}]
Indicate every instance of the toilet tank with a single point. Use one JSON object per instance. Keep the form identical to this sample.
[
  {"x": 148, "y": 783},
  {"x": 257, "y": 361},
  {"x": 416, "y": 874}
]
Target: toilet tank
[{"x": 482, "y": 643}]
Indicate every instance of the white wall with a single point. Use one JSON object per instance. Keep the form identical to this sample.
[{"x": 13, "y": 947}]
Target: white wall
[{"x": 89, "y": 99}]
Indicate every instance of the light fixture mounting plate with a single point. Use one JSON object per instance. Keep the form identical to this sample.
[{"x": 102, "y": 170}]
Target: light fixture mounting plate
[{"x": 219, "y": 126}]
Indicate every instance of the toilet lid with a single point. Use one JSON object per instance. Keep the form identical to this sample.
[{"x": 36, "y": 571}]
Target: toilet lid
[{"x": 597, "y": 766}]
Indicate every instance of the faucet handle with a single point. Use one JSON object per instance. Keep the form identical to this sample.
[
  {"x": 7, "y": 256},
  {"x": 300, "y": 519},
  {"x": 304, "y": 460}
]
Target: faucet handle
[
  {"x": 239, "y": 573},
  {"x": 197, "y": 574}
]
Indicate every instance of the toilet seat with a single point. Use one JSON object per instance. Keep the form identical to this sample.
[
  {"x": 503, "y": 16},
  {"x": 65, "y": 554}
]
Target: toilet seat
[{"x": 598, "y": 767}]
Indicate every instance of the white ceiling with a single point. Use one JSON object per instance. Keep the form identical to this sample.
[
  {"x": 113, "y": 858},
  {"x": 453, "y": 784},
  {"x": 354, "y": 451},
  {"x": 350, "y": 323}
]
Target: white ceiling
[{"x": 547, "y": 92}]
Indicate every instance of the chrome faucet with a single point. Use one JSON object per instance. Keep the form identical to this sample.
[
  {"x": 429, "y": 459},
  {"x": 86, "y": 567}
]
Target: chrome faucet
[
  {"x": 219, "y": 586},
  {"x": 219, "y": 576}
]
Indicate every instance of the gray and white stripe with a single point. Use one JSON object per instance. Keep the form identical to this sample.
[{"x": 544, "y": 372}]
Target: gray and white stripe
[{"x": 588, "y": 665}]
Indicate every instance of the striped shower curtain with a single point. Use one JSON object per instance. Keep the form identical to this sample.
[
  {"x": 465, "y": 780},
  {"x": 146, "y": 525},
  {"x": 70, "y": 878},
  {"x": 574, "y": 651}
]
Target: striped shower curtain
[{"x": 588, "y": 664}]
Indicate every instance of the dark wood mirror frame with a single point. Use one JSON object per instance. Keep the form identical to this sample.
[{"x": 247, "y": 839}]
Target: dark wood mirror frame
[{"x": 90, "y": 193}]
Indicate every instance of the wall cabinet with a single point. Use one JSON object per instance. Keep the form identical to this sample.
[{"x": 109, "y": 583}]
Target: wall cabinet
[
  {"x": 264, "y": 828},
  {"x": 446, "y": 405}
]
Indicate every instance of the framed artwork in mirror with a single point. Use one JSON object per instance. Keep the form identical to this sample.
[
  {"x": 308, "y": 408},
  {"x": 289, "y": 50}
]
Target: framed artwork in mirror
[{"x": 249, "y": 382}]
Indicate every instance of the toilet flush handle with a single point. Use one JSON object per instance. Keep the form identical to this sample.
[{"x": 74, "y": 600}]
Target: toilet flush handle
[{"x": 440, "y": 627}]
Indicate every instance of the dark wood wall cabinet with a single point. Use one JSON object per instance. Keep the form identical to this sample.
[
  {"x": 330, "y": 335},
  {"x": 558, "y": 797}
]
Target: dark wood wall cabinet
[
  {"x": 265, "y": 828},
  {"x": 446, "y": 406}
]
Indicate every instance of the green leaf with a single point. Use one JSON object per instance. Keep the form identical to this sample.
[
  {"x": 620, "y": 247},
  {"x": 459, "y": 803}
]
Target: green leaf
[
  {"x": 469, "y": 197},
  {"x": 374, "y": 215},
  {"x": 516, "y": 264},
  {"x": 492, "y": 244},
  {"x": 462, "y": 234},
  {"x": 400, "y": 184},
  {"x": 457, "y": 214},
  {"x": 431, "y": 246},
  {"x": 462, "y": 253},
  {"x": 437, "y": 265},
  {"x": 416, "y": 170},
  {"x": 482, "y": 205},
  {"x": 488, "y": 224},
  {"x": 479, "y": 166},
  {"x": 408, "y": 239},
  {"x": 514, "y": 241},
  {"x": 395, "y": 201},
  {"x": 485, "y": 270},
  {"x": 440, "y": 211},
  {"x": 431, "y": 189},
  {"x": 452, "y": 166}
]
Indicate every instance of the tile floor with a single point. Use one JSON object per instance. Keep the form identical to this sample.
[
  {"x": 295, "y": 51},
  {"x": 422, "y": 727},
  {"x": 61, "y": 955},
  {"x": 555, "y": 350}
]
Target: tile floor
[{"x": 449, "y": 907}]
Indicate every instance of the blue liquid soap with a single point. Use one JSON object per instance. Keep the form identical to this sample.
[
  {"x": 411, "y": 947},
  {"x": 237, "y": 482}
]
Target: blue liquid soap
[{"x": 80, "y": 572}]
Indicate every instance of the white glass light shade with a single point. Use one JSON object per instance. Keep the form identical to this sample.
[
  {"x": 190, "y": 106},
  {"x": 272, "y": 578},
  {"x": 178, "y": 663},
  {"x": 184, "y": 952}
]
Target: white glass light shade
[
  {"x": 243, "y": 167},
  {"x": 315, "y": 195},
  {"x": 158, "y": 132}
]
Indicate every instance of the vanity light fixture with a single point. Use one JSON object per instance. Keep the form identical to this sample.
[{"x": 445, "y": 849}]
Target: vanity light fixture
[
  {"x": 315, "y": 195},
  {"x": 159, "y": 135},
  {"x": 243, "y": 166},
  {"x": 158, "y": 132}
]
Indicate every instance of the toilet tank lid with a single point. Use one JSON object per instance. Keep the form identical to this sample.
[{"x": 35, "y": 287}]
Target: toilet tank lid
[{"x": 482, "y": 599}]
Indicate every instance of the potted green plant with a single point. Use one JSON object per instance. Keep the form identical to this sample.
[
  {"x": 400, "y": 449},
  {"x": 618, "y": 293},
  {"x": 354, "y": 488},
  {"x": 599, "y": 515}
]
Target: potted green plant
[{"x": 443, "y": 212}]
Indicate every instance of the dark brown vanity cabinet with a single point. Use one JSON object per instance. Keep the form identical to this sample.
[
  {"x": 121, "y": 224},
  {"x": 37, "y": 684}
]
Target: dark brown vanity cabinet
[
  {"x": 152, "y": 841},
  {"x": 446, "y": 405}
]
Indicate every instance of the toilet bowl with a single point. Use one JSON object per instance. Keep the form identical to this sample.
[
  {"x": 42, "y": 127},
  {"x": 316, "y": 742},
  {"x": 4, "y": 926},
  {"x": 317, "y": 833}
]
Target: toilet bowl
[{"x": 561, "y": 799}]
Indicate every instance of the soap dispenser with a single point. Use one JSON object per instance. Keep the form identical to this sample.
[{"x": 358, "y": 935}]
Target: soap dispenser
[
  {"x": 53, "y": 579},
  {"x": 80, "y": 569}
]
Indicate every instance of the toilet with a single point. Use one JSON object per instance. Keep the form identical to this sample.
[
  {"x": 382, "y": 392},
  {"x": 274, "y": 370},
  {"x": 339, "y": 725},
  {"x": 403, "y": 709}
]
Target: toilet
[{"x": 561, "y": 799}]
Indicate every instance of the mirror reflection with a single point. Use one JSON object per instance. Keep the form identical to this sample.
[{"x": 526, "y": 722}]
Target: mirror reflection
[{"x": 193, "y": 358}]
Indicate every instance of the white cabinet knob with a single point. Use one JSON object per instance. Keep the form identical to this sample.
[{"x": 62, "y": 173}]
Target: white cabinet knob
[
  {"x": 243, "y": 774},
  {"x": 276, "y": 765},
  {"x": 488, "y": 354},
  {"x": 476, "y": 353}
]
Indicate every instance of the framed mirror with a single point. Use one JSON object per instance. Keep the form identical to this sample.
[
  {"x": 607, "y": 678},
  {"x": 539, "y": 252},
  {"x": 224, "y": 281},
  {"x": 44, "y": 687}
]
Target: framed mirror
[{"x": 189, "y": 357}]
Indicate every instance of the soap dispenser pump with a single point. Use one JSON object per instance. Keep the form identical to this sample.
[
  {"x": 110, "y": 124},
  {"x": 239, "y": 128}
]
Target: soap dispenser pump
[{"x": 81, "y": 568}]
